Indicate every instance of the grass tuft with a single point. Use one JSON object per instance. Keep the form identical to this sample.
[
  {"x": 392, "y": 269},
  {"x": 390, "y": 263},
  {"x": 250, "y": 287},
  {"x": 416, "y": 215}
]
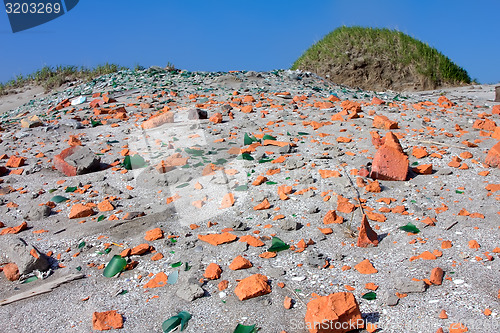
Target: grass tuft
[
  {"x": 360, "y": 47},
  {"x": 53, "y": 77}
]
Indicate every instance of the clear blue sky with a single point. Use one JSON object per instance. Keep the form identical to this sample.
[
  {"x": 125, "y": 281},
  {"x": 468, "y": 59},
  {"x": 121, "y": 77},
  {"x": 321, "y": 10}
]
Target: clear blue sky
[{"x": 243, "y": 35}]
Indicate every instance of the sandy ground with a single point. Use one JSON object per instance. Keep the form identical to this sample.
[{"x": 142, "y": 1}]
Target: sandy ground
[
  {"x": 471, "y": 285},
  {"x": 13, "y": 101}
]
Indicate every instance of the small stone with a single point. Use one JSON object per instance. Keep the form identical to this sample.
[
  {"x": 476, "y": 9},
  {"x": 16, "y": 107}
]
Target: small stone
[
  {"x": 275, "y": 272},
  {"x": 392, "y": 300},
  {"x": 31, "y": 122},
  {"x": 285, "y": 149},
  {"x": 315, "y": 259},
  {"x": 237, "y": 225},
  {"x": 288, "y": 225},
  {"x": 26, "y": 257},
  {"x": 190, "y": 292},
  {"x": 37, "y": 213},
  {"x": 197, "y": 114},
  {"x": 313, "y": 210},
  {"x": 444, "y": 172},
  {"x": 406, "y": 287}
]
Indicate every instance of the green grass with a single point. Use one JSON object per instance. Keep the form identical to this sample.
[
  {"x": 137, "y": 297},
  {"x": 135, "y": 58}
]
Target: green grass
[
  {"x": 53, "y": 77},
  {"x": 382, "y": 45}
]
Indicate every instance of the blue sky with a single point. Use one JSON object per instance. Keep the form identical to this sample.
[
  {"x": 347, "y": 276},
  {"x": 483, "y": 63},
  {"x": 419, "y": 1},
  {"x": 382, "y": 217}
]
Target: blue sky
[{"x": 243, "y": 35}]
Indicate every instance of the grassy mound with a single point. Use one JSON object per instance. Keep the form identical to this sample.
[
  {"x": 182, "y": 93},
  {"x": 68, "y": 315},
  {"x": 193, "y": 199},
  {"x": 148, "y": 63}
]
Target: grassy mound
[
  {"x": 380, "y": 59},
  {"x": 54, "y": 77}
]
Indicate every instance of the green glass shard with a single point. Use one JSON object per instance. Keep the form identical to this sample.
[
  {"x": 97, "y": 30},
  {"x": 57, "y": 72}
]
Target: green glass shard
[
  {"x": 268, "y": 137},
  {"x": 370, "y": 296},
  {"x": 241, "y": 188},
  {"x": 30, "y": 279},
  {"x": 173, "y": 277},
  {"x": 194, "y": 152},
  {"x": 245, "y": 329},
  {"x": 115, "y": 266},
  {"x": 245, "y": 156},
  {"x": 171, "y": 323},
  {"x": 133, "y": 162},
  {"x": 220, "y": 161},
  {"x": 58, "y": 199},
  {"x": 278, "y": 245},
  {"x": 410, "y": 227}
]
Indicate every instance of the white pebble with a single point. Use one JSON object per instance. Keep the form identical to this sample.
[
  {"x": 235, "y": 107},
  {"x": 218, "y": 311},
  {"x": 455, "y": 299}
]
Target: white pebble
[{"x": 299, "y": 278}]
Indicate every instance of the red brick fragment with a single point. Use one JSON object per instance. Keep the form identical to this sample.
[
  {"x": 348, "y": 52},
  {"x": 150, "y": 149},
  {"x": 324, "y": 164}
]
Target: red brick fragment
[
  {"x": 252, "y": 286},
  {"x": 390, "y": 163},
  {"x": 103, "y": 321},
  {"x": 339, "y": 312}
]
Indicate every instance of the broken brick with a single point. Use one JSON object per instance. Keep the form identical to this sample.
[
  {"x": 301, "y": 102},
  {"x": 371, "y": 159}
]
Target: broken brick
[
  {"x": 213, "y": 271},
  {"x": 390, "y": 163},
  {"x": 240, "y": 263},
  {"x": 337, "y": 312},
  {"x": 252, "y": 286},
  {"x": 103, "y": 321},
  {"x": 80, "y": 210},
  {"x": 367, "y": 237}
]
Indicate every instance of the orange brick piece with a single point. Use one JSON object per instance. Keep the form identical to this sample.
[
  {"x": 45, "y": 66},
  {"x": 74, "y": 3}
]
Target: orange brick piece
[
  {"x": 153, "y": 234},
  {"x": 103, "y": 321},
  {"x": 339, "y": 311},
  {"x": 252, "y": 286},
  {"x": 390, "y": 163},
  {"x": 15, "y": 162},
  {"x": 240, "y": 263},
  {"x": 80, "y": 210},
  {"x": 213, "y": 271}
]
